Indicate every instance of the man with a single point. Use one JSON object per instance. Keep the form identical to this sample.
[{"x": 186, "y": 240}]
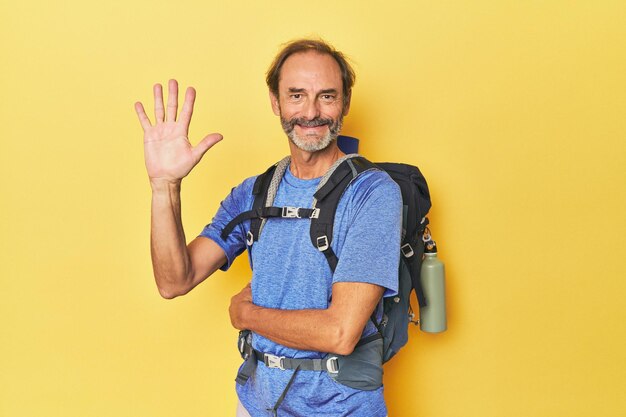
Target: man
[{"x": 294, "y": 306}]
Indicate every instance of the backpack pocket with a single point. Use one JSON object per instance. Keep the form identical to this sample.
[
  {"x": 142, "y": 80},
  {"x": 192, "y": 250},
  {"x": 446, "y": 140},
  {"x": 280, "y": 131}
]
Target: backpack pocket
[{"x": 363, "y": 368}]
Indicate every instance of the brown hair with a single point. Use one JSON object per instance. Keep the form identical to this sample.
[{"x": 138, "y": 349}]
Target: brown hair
[{"x": 305, "y": 45}]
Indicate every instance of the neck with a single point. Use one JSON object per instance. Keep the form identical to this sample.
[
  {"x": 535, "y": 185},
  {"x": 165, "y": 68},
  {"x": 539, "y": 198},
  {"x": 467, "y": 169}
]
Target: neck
[{"x": 306, "y": 165}]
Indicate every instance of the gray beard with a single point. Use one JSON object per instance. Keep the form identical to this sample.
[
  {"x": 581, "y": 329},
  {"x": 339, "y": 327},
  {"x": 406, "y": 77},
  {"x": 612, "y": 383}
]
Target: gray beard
[{"x": 310, "y": 144}]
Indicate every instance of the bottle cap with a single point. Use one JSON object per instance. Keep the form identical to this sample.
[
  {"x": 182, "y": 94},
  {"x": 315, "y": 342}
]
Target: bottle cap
[{"x": 430, "y": 247}]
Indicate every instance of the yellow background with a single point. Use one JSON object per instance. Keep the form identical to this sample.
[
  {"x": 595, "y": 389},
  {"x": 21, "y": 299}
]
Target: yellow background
[{"x": 514, "y": 111}]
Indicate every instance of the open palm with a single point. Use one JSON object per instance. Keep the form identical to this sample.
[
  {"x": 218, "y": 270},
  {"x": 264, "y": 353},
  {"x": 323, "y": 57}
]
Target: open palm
[{"x": 169, "y": 155}]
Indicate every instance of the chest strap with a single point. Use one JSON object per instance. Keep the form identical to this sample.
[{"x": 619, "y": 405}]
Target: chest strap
[{"x": 267, "y": 212}]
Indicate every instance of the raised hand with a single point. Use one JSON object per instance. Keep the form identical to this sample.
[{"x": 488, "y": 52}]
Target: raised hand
[{"x": 169, "y": 155}]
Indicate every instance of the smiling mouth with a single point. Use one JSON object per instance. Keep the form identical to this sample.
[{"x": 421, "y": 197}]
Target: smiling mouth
[
  {"x": 312, "y": 131},
  {"x": 310, "y": 127},
  {"x": 317, "y": 122}
]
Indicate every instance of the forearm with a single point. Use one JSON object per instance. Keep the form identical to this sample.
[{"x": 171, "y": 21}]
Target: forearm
[
  {"x": 313, "y": 329},
  {"x": 336, "y": 329},
  {"x": 170, "y": 260}
]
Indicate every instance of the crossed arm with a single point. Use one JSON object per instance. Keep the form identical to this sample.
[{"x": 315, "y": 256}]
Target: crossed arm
[{"x": 336, "y": 329}]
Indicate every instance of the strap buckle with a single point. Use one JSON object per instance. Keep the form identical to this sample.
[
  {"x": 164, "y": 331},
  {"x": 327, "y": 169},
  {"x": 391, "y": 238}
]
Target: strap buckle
[
  {"x": 332, "y": 365},
  {"x": 322, "y": 243},
  {"x": 249, "y": 238},
  {"x": 242, "y": 344},
  {"x": 291, "y": 212},
  {"x": 315, "y": 214},
  {"x": 273, "y": 361},
  {"x": 407, "y": 250}
]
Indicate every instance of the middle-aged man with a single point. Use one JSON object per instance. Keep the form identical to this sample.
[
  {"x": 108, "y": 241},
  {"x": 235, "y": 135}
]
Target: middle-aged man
[{"x": 294, "y": 306}]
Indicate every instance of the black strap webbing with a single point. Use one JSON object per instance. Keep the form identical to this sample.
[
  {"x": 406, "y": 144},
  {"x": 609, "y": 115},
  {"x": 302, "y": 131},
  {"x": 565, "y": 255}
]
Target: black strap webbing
[
  {"x": 292, "y": 363},
  {"x": 261, "y": 185},
  {"x": 350, "y": 167},
  {"x": 274, "y": 410},
  {"x": 367, "y": 339},
  {"x": 415, "y": 271},
  {"x": 328, "y": 197},
  {"x": 267, "y": 212}
]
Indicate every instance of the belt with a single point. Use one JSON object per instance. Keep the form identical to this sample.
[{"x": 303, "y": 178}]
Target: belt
[{"x": 328, "y": 364}]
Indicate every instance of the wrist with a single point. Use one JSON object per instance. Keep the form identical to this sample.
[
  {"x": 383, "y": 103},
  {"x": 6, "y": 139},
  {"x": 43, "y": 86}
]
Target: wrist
[
  {"x": 248, "y": 313},
  {"x": 164, "y": 185}
]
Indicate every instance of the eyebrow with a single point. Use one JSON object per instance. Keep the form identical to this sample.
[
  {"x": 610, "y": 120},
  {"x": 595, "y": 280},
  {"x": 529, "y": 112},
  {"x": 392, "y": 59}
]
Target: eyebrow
[{"x": 302, "y": 90}]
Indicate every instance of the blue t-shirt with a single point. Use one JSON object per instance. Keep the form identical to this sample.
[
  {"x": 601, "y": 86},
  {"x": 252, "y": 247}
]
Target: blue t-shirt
[{"x": 290, "y": 273}]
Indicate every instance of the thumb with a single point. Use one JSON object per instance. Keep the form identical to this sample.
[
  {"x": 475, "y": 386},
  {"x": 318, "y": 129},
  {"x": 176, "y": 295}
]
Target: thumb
[{"x": 205, "y": 144}]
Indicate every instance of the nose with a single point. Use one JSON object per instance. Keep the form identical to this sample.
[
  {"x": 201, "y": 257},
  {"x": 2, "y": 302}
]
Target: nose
[{"x": 311, "y": 109}]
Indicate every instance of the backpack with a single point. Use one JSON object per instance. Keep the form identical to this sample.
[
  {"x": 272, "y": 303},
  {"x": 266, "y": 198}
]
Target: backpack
[{"x": 397, "y": 311}]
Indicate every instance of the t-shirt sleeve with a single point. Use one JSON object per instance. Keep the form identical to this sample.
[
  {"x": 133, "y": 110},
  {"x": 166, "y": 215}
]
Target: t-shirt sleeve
[
  {"x": 371, "y": 250},
  {"x": 239, "y": 200}
]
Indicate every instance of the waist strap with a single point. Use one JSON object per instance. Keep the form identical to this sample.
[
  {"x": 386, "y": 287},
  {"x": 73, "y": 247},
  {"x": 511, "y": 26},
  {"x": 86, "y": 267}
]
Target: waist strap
[
  {"x": 252, "y": 355},
  {"x": 328, "y": 364},
  {"x": 362, "y": 369}
]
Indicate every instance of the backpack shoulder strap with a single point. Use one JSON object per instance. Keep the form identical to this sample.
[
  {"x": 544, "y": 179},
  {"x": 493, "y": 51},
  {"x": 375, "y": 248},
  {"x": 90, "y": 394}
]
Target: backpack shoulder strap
[
  {"x": 264, "y": 192},
  {"x": 269, "y": 191},
  {"x": 326, "y": 199}
]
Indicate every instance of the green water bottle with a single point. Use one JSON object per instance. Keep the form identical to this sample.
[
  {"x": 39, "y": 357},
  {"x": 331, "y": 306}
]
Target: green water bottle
[{"x": 433, "y": 316}]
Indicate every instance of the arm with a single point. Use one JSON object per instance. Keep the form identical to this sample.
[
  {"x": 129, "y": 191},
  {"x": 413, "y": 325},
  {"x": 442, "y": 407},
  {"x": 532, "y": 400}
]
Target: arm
[
  {"x": 177, "y": 267},
  {"x": 336, "y": 329},
  {"x": 169, "y": 157}
]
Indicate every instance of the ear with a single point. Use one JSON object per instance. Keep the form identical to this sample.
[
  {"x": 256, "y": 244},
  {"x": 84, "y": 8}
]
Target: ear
[
  {"x": 346, "y": 104},
  {"x": 275, "y": 104}
]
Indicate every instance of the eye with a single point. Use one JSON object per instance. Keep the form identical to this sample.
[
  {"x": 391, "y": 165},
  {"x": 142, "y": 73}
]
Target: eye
[
  {"x": 328, "y": 97},
  {"x": 296, "y": 96}
]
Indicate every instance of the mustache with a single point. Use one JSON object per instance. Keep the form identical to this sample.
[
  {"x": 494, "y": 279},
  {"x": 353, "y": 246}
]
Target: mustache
[{"x": 318, "y": 121}]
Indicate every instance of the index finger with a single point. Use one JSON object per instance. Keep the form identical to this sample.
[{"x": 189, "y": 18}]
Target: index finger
[
  {"x": 143, "y": 117},
  {"x": 185, "y": 114}
]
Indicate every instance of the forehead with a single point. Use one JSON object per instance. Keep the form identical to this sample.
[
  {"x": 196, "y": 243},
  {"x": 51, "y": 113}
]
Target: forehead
[{"x": 310, "y": 69}]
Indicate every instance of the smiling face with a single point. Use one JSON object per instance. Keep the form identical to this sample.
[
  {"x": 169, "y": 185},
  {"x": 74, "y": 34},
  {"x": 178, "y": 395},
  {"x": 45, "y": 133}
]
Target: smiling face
[{"x": 310, "y": 102}]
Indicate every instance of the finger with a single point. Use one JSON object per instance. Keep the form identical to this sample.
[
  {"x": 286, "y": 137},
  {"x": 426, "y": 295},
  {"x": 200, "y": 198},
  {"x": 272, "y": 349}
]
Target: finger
[
  {"x": 158, "y": 103},
  {"x": 185, "y": 114},
  {"x": 205, "y": 144},
  {"x": 172, "y": 100},
  {"x": 143, "y": 117}
]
